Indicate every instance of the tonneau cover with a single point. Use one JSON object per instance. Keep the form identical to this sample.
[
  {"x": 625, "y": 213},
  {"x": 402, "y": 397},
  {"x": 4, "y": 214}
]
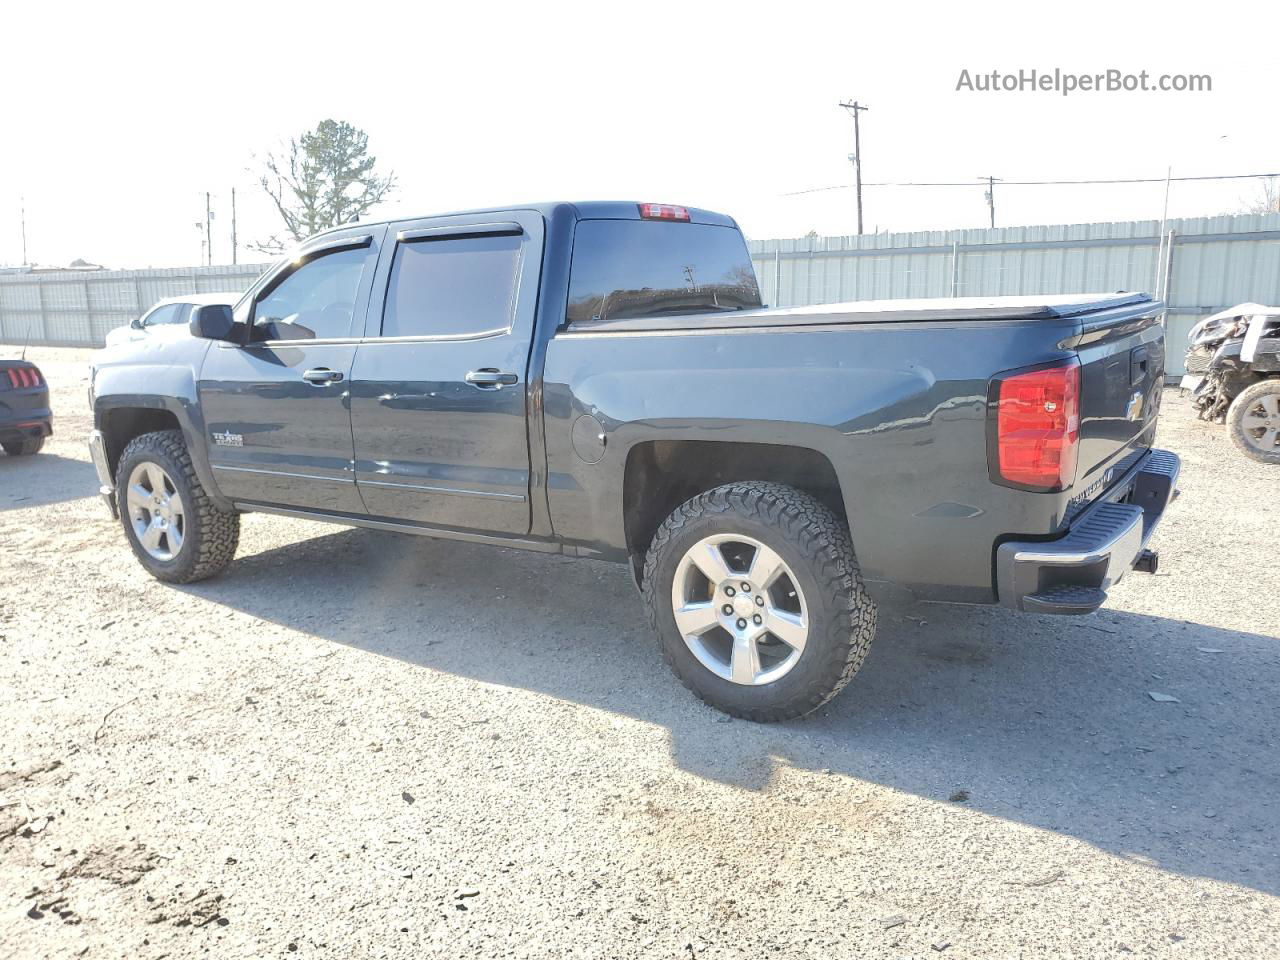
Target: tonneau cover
[{"x": 888, "y": 311}]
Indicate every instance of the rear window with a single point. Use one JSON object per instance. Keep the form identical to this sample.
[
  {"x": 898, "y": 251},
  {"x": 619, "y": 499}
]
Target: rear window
[{"x": 647, "y": 268}]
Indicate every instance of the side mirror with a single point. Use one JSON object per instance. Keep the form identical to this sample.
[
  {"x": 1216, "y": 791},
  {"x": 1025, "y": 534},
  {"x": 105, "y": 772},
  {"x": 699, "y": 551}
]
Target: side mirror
[
  {"x": 136, "y": 323},
  {"x": 212, "y": 321}
]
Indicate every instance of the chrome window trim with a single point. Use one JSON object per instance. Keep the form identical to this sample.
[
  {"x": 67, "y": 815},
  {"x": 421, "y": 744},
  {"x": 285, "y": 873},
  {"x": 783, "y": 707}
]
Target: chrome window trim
[{"x": 360, "y": 341}]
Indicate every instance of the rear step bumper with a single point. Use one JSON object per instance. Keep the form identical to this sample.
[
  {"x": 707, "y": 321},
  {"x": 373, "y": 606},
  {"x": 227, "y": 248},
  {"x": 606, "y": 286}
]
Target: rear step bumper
[{"x": 1072, "y": 575}]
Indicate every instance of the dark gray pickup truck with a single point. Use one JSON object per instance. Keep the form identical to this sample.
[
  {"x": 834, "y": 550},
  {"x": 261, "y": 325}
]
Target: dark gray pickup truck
[{"x": 601, "y": 380}]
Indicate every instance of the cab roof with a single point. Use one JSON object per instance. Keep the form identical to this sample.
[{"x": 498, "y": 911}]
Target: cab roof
[{"x": 581, "y": 210}]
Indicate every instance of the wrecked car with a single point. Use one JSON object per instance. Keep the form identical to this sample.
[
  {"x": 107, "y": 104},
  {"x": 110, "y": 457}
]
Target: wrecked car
[{"x": 1233, "y": 376}]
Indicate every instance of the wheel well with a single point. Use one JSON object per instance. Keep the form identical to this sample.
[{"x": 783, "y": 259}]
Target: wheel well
[
  {"x": 662, "y": 474},
  {"x": 119, "y": 426}
]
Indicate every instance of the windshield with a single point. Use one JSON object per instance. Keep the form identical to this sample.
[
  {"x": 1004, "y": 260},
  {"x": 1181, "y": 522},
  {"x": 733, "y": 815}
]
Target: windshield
[{"x": 645, "y": 268}]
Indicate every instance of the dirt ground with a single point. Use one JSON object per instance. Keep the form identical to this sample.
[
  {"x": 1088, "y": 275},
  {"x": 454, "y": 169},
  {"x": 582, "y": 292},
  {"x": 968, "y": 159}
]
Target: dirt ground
[{"x": 360, "y": 744}]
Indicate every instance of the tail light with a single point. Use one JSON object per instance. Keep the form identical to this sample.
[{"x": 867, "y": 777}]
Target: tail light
[
  {"x": 23, "y": 377},
  {"x": 1034, "y": 427},
  {"x": 663, "y": 211}
]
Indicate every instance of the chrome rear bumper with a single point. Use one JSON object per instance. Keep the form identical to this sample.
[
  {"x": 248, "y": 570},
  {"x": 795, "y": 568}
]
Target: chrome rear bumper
[{"x": 1072, "y": 574}]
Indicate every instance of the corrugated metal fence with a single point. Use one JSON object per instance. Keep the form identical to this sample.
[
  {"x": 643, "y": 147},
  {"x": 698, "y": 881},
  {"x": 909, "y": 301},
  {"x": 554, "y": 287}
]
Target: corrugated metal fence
[
  {"x": 1212, "y": 263},
  {"x": 78, "y": 307}
]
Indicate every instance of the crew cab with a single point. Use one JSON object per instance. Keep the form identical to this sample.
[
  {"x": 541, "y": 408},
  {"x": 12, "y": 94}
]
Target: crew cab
[{"x": 602, "y": 380}]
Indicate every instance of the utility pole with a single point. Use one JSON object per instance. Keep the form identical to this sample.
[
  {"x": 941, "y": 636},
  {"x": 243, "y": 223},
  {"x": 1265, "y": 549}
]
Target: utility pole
[
  {"x": 855, "y": 108},
  {"x": 208, "y": 229},
  {"x": 22, "y": 213},
  {"x": 991, "y": 197},
  {"x": 233, "y": 225}
]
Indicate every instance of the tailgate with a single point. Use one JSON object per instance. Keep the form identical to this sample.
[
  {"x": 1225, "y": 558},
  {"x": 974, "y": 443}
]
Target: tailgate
[{"x": 1121, "y": 380}]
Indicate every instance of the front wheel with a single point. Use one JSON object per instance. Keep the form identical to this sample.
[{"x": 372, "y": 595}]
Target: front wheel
[
  {"x": 176, "y": 531},
  {"x": 756, "y": 596},
  {"x": 1254, "y": 421}
]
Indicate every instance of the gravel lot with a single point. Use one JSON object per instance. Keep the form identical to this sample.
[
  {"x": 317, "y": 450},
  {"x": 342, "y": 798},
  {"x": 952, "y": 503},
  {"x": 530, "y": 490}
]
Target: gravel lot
[{"x": 362, "y": 744}]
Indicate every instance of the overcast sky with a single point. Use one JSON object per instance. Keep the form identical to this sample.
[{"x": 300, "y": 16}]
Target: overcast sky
[{"x": 116, "y": 123}]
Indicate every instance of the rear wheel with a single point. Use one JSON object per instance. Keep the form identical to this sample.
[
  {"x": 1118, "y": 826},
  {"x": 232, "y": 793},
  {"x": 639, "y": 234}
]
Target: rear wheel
[
  {"x": 176, "y": 531},
  {"x": 755, "y": 593},
  {"x": 1254, "y": 421},
  {"x": 23, "y": 448}
]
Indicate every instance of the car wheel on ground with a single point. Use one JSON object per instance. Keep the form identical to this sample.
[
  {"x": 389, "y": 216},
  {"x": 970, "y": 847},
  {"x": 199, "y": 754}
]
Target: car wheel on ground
[
  {"x": 756, "y": 596},
  {"x": 23, "y": 448},
  {"x": 176, "y": 531},
  {"x": 1254, "y": 421}
]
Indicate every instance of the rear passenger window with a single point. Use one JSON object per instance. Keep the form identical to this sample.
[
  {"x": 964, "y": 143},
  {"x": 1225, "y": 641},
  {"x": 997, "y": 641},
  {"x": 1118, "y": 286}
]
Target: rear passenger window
[{"x": 452, "y": 287}]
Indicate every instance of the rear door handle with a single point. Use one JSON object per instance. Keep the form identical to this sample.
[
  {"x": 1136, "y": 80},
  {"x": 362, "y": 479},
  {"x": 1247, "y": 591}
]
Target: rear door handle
[
  {"x": 321, "y": 375},
  {"x": 490, "y": 378}
]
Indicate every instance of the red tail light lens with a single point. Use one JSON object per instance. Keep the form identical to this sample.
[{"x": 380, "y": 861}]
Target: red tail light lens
[
  {"x": 22, "y": 377},
  {"x": 1037, "y": 427},
  {"x": 663, "y": 211}
]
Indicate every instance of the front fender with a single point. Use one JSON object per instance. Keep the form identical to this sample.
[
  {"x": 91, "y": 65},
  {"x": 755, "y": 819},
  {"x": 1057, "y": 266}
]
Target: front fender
[{"x": 160, "y": 377}]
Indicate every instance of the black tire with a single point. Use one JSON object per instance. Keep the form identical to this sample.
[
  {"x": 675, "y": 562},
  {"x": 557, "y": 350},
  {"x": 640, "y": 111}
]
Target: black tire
[
  {"x": 211, "y": 535},
  {"x": 23, "y": 448},
  {"x": 1249, "y": 400},
  {"x": 816, "y": 546}
]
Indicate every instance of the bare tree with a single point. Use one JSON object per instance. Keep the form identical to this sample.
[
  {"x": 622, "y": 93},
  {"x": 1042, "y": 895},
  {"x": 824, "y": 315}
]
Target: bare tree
[
  {"x": 1265, "y": 200},
  {"x": 325, "y": 178}
]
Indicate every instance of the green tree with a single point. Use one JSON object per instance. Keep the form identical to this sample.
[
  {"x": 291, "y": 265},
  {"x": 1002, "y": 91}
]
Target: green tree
[{"x": 324, "y": 178}]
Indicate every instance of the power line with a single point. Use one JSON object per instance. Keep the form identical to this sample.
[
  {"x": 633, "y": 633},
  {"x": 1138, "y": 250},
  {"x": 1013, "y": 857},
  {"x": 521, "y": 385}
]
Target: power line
[{"x": 1038, "y": 183}]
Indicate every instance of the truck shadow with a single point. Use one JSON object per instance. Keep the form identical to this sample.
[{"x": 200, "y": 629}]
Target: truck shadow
[
  {"x": 1044, "y": 721},
  {"x": 42, "y": 479}
]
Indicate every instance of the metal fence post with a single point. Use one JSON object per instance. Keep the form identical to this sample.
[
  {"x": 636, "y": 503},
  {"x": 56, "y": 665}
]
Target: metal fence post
[{"x": 44, "y": 325}]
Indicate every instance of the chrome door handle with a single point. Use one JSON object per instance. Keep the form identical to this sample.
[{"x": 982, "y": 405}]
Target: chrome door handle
[
  {"x": 490, "y": 378},
  {"x": 322, "y": 375}
]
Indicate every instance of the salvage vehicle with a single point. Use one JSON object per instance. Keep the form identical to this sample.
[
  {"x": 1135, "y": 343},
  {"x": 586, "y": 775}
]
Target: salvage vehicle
[
  {"x": 25, "y": 417},
  {"x": 1233, "y": 376},
  {"x": 602, "y": 380}
]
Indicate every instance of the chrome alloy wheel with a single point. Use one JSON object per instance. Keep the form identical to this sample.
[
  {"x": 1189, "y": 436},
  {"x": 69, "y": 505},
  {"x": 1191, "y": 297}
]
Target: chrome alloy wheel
[
  {"x": 156, "y": 511},
  {"x": 740, "y": 610},
  {"x": 1261, "y": 423}
]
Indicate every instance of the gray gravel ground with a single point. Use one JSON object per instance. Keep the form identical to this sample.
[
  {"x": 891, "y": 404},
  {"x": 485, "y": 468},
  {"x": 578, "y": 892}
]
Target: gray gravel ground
[{"x": 358, "y": 744}]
